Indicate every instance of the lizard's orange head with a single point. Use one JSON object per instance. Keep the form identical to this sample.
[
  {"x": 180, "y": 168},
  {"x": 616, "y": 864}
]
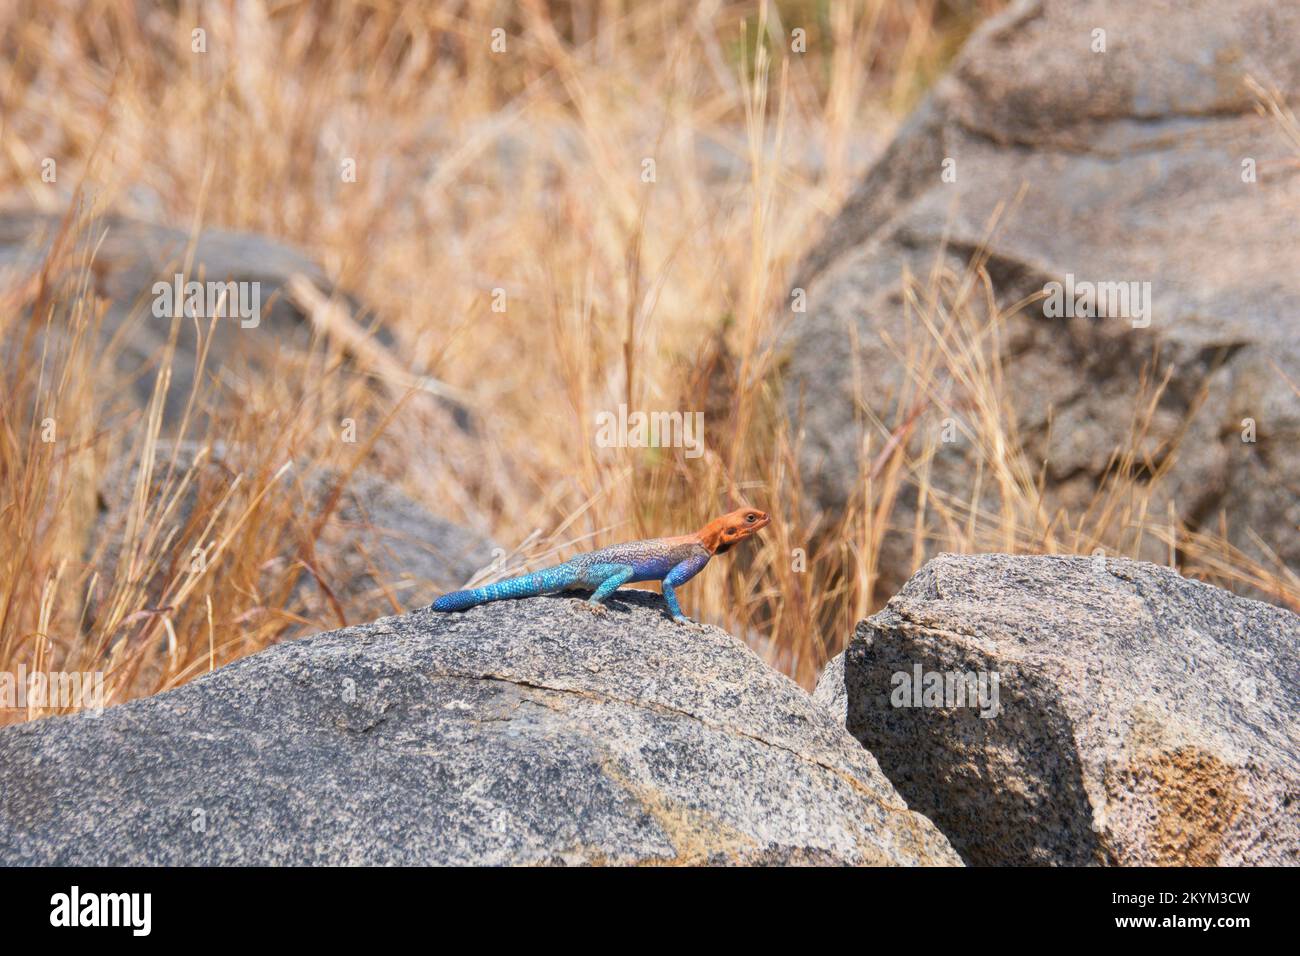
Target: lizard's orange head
[{"x": 722, "y": 533}]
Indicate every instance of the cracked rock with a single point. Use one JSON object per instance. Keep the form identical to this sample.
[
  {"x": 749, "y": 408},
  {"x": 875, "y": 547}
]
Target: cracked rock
[
  {"x": 475, "y": 738},
  {"x": 1143, "y": 718}
]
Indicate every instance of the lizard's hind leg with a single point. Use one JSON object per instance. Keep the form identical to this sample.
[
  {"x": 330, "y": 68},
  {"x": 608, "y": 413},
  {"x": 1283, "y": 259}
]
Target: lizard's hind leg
[{"x": 606, "y": 579}]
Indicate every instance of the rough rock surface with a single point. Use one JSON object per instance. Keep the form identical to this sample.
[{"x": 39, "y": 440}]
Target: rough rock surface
[
  {"x": 526, "y": 732},
  {"x": 1131, "y": 166},
  {"x": 1143, "y": 718}
]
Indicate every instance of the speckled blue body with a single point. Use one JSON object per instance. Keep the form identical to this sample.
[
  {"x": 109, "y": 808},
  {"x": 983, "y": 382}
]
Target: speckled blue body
[{"x": 674, "y": 561}]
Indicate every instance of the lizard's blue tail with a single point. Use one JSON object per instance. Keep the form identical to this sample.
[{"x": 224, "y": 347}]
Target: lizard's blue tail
[{"x": 547, "y": 581}]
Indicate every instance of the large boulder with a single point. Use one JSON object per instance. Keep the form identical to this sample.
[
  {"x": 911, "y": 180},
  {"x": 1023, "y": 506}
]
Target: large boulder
[
  {"x": 1139, "y": 717},
  {"x": 130, "y": 257},
  {"x": 1130, "y": 165},
  {"x": 526, "y": 732},
  {"x": 291, "y": 300}
]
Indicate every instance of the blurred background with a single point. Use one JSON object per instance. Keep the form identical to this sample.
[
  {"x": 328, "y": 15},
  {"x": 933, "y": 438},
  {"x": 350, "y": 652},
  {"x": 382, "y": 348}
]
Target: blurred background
[{"x": 464, "y": 257}]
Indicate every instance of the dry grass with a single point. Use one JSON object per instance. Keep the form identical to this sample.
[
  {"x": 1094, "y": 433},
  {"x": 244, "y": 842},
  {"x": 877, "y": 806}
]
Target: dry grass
[{"x": 478, "y": 171}]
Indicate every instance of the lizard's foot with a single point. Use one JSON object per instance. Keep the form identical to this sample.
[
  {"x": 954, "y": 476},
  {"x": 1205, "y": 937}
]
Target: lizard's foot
[
  {"x": 683, "y": 619},
  {"x": 595, "y": 607}
]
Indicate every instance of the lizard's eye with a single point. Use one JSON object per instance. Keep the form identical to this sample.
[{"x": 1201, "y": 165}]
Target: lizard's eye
[{"x": 749, "y": 518}]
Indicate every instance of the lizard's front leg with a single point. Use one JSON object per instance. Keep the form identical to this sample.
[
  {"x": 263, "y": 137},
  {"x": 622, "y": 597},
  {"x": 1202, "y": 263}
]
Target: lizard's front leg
[
  {"x": 670, "y": 598},
  {"x": 679, "y": 575}
]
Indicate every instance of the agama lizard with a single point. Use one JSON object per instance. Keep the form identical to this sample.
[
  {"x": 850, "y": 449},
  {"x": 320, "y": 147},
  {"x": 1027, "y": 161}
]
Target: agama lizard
[{"x": 673, "y": 561}]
